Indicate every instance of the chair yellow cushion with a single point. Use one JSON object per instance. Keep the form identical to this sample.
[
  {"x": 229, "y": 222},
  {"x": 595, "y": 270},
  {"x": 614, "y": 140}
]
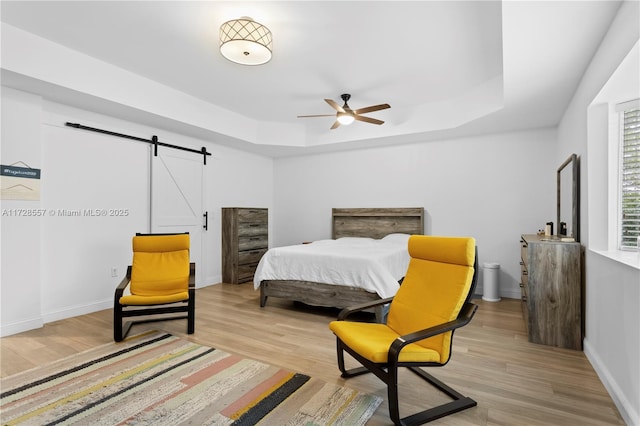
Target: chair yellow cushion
[
  {"x": 154, "y": 300},
  {"x": 379, "y": 337},
  {"x": 434, "y": 289},
  {"x": 160, "y": 269},
  {"x": 454, "y": 250},
  {"x": 160, "y": 243}
]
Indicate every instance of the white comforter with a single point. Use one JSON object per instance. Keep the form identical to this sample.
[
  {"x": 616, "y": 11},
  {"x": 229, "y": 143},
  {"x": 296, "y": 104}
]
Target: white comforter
[{"x": 374, "y": 265}]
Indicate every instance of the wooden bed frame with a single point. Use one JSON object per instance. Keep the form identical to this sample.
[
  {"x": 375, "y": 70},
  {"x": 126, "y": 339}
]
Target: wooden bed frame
[{"x": 358, "y": 222}]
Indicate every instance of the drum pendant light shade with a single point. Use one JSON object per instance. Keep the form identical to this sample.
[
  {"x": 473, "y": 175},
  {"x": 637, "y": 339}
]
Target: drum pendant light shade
[{"x": 245, "y": 41}]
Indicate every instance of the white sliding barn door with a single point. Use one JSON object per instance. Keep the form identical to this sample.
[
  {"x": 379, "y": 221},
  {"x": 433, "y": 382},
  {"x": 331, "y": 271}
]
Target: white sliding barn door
[{"x": 177, "y": 198}]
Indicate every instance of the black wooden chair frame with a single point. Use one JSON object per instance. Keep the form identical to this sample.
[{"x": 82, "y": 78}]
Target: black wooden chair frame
[
  {"x": 120, "y": 312},
  {"x": 388, "y": 371}
]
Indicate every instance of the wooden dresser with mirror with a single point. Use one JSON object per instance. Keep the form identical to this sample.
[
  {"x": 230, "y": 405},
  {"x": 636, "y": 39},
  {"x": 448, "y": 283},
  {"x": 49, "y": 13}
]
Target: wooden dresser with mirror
[{"x": 551, "y": 270}]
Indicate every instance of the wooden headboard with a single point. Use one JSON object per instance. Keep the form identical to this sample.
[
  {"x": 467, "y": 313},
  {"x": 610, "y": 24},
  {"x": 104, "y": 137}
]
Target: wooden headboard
[{"x": 377, "y": 222}]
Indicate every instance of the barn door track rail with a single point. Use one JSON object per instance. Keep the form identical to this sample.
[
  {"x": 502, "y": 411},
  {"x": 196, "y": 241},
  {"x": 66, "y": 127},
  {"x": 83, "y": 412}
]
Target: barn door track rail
[{"x": 154, "y": 140}]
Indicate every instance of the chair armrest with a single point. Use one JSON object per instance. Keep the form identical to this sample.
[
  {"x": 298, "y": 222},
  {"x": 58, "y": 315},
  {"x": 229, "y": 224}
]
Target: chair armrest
[
  {"x": 121, "y": 287},
  {"x": 466, "y": 313},
  {"x": 123, "y": 284},
  {"x": 192, "y": 275},
  {"x": 362, "y": 306}
]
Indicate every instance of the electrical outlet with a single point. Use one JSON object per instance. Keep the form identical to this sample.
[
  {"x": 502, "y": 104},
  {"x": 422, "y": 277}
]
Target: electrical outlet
[{"x": 114, "y": 271}]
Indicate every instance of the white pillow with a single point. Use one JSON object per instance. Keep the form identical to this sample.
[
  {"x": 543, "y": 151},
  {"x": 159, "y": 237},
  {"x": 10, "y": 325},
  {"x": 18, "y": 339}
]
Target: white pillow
[
  {"x": 396, "y": 238},
  {"x": 355, "y": 240}
]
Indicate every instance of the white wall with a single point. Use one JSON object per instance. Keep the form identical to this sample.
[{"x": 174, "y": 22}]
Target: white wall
[
  {"x": 20, "y": 235},
  {"x": 613, "y": 330},
  {"x": 59, "y": 266},
  {"x": 83, "y": 170},
  {"x": 493, "y": 188},
  {"x": 612, "y": 288}
]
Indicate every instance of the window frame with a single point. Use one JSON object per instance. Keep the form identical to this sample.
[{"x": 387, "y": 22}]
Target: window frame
[{"x": 625, "y": 243}]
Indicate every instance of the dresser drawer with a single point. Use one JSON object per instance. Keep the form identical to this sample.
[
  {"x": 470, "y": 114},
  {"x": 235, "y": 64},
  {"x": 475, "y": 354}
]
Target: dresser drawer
[
  {"x": 246, "y": 272},
  {"x": 248, "y": 229},
  {"x": 252, "y": 216},
  {"x": 523, "y": 253},
  {"x": 251, "y": 256},
  {"x": 252, "y": 242},
  {"x": 524, "y": 289}
]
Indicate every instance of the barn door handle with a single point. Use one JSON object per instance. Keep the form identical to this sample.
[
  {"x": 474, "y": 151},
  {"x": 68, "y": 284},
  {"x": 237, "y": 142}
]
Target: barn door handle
[{"x": 206, "y": 221}]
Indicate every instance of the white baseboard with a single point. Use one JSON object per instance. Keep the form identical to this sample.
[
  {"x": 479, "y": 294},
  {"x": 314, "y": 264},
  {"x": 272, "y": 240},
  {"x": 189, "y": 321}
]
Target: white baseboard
[
  {"x": 20, "y": 326},
  {"x": 210, "y": 280},
  {"x": 627, "y": 411},
  {"x": 74, "y": 311}
]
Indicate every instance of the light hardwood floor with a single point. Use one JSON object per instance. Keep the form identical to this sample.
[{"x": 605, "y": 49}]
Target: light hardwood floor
[{"x": 514, "y": 382}]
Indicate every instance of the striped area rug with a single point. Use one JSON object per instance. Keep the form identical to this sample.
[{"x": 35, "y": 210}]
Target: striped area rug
[{"x": 160, "y": 379}]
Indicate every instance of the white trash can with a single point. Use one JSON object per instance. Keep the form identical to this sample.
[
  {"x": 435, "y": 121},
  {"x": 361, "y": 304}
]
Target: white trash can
[{"x": 491, "y": 284}]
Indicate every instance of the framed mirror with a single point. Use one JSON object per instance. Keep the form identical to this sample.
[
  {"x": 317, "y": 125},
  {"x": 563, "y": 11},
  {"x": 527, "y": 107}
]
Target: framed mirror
[{"x": 568, "y": 202}]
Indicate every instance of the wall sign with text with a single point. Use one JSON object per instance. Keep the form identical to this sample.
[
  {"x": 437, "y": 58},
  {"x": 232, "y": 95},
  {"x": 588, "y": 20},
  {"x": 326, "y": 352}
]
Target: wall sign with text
[{"x": 19, "y": 183}]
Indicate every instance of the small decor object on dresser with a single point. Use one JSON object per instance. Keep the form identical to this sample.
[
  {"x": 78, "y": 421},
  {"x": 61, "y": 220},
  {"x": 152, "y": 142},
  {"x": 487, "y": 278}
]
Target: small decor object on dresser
[
  {"x": 551, "y": 290},
  {"x": 245, "y": 240}
]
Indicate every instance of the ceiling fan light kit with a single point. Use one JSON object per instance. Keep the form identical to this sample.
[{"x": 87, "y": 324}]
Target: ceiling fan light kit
[
  {"x": 345, "y": 118},
  {"x": 246, "y": 42},
  {"x": 345, "y": 115}
]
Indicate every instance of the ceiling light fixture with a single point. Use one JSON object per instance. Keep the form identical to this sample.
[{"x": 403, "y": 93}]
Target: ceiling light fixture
[
  {"x": 245, "y": 41},
  {"x": 345, "y": 118}
]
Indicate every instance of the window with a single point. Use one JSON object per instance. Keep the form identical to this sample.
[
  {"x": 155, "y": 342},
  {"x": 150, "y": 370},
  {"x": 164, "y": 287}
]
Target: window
[{"x": 629, "y": 204}]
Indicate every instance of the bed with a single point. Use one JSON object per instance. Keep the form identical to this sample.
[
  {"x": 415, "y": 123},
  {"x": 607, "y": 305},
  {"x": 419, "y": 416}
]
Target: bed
[{"x": 372, "y": 234}]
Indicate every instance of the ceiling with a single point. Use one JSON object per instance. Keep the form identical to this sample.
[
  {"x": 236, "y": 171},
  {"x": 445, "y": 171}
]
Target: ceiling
[{"x": 447, "y": 68}]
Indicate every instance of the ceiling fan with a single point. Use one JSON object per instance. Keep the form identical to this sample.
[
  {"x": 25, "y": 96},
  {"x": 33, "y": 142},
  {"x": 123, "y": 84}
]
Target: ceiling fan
[{"x": 345, "y": 115}]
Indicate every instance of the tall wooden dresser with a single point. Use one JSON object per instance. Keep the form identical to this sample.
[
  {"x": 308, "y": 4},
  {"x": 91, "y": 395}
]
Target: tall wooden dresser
[
  {"x": 245, "y": 240},
  {"x": 551, "y": 291}
]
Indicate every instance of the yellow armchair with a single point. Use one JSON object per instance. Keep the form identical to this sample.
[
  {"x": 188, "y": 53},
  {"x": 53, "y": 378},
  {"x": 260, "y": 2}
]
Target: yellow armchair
[
  {"x": 161, "y": 281},
  {"x": 433, "y": 301}
]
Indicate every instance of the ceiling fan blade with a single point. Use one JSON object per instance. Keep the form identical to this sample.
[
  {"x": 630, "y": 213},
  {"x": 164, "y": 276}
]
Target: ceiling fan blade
[
  {"x": 334, "y": 105},
  {"x": 367, "y": 119},
  {"x": 372, "y": 108},
  {"x": 317, "y": 115},
  {"x": 335, "y": 125}
]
